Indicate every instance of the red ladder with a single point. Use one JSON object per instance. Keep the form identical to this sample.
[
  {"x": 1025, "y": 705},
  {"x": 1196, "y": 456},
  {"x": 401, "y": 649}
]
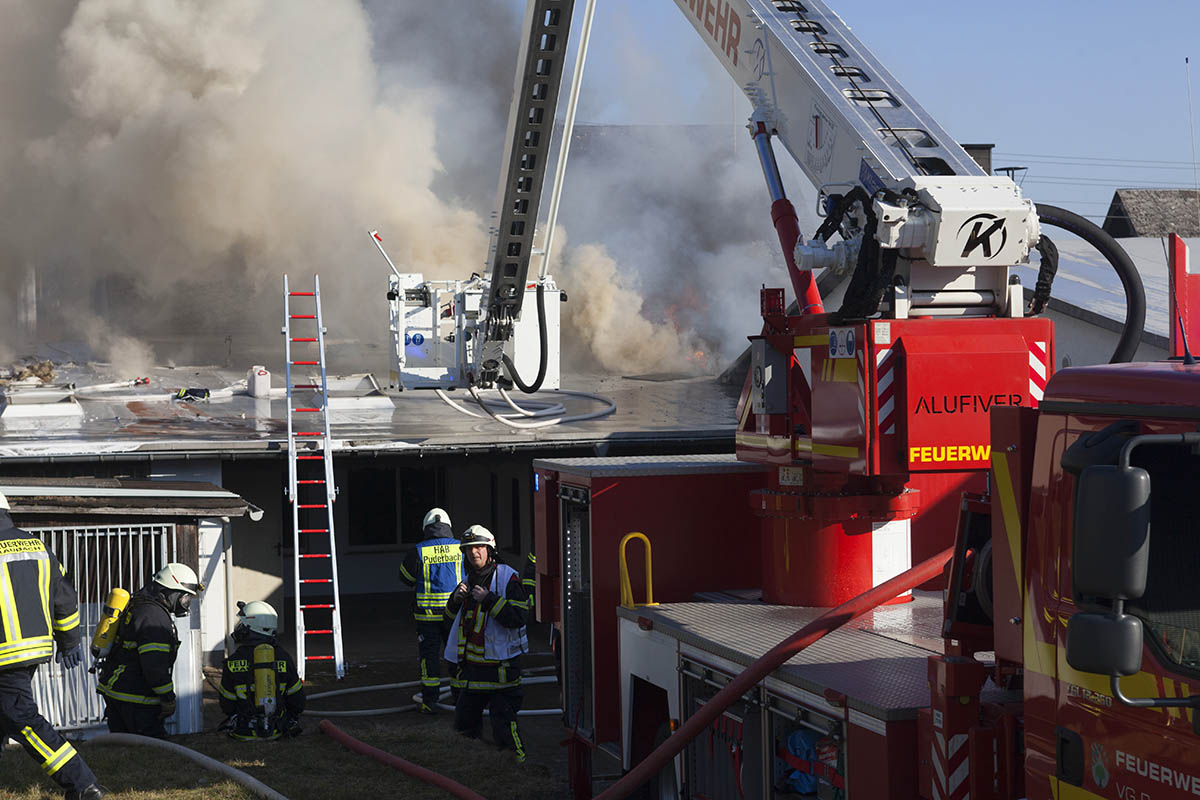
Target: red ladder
[{"x": 311, "y": 490}]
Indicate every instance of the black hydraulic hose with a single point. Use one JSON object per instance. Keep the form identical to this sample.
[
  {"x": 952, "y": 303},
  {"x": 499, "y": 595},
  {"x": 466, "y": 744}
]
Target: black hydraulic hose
[
  {"x": 545, "y": 352},
  {"x": 1135, "y": 293}
]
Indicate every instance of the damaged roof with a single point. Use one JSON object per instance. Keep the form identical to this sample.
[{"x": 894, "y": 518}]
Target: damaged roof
[{"x": 139, "y": 422}]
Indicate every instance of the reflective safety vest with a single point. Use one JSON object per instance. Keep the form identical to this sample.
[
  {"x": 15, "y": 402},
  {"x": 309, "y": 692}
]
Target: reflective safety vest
[
  {"x": 38, "y": 605},
  {"x": 438, "y": 570},
  {"x": 499, "y": 643}
]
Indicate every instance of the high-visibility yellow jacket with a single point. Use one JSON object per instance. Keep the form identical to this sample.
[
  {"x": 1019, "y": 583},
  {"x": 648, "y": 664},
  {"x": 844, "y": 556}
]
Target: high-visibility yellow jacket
[
  {"x": 38, "y": 605},
  {"x": 433, "y": 568}
]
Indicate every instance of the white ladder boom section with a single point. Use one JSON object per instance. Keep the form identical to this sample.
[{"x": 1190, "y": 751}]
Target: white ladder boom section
[
  {"x": 522, "y": 174},
  {"x": 311, "y": 490},
  {"x": 832, "y": 103}
]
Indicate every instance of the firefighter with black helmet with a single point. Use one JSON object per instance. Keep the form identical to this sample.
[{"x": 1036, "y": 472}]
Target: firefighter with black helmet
[
  {"x": 135, "y": 680},
  {"x": 260, "y": 689},
  {"x": 487, "y": 640},
  {"x": 38, "y": 609}
]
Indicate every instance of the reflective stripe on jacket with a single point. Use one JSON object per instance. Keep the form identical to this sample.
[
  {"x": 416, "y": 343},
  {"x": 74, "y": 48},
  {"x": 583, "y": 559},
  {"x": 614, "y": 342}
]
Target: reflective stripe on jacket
[
  {"x": 38, "y": 605},
  {"x": 138, "y": 669},
  {"x": 433, "y": 568}
]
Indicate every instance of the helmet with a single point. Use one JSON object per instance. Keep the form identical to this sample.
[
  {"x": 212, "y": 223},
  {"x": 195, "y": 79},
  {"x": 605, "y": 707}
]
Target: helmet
[
  {"x": 258, "y": 616},
  {"x": 4, "y": 502},
  {"x": 435, "y": 515},
  {"x": 179, "y": 577},
  {"x": 476, "y": 535}
]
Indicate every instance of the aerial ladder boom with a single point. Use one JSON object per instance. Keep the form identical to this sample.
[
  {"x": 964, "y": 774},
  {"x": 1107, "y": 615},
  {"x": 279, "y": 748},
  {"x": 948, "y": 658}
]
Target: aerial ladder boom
[
  {"x": 857, "y": 133},
  {"x": 522, "y": 173}
]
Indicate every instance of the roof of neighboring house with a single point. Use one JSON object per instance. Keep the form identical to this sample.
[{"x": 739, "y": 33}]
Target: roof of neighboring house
[
  {"x": 1086, "y": 287},
  {"x": 1153, "y": 212}
]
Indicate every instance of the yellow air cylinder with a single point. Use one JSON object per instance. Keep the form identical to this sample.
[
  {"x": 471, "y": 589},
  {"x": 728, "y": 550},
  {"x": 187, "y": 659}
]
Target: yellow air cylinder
[
  {"x": 106, "y": 630},
  {"x": 264, "y": 678}
]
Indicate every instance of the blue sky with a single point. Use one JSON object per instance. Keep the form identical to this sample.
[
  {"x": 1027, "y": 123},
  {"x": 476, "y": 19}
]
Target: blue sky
[{"x": 1089, "y": 94}]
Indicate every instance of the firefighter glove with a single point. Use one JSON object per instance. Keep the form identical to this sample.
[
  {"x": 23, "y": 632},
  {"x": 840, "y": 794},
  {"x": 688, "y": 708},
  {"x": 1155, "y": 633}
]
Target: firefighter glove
[
  {"x": 479, "y": 593},
  {"x": 70, "y": 658},
  {"x": 166, "y": 706}
]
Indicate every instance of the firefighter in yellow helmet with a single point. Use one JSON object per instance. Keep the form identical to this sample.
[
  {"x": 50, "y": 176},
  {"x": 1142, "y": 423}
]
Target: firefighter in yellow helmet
[
  {"x": 38, "y": 608},
  {"x": 260, "y": 689},
  {"x": 136, "y": 682}
]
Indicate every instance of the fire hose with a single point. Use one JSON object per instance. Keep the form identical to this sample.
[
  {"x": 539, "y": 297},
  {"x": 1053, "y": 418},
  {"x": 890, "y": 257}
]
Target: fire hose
[
  {"x": 395, "y": 762},
  {"x": 642, "y": 773},
  {"x": 254, "y": 785},
  {"x": 746, "y": 680}
]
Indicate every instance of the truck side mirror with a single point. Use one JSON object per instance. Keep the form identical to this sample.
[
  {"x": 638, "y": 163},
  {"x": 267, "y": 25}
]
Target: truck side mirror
[
  {"x": 1111, "y": 548},
  {"x": 1105, "y": 644}
]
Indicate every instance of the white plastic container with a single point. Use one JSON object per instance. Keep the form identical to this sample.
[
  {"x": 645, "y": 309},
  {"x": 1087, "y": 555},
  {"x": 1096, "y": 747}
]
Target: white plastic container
[{"x": 258, "y": 381}]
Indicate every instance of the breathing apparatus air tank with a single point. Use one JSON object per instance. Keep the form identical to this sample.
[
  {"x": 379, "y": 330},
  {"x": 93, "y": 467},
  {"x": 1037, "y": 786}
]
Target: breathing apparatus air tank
[
  {"x": 106, "y": 630},
  {"x": 264, "y": 687}
]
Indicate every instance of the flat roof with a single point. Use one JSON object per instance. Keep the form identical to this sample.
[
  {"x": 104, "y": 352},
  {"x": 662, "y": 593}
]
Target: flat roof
[{"x": 142, "y": 422}]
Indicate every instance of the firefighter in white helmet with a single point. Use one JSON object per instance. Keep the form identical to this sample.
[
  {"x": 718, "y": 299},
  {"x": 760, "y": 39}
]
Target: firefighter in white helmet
[
  {"x": 135, "y": 680},
  {"x": 260, "y": 689},
  {"x": 433, "y": 568},
  {"x": 487, "y": 640},
  {"x": 39, "y": 609}
]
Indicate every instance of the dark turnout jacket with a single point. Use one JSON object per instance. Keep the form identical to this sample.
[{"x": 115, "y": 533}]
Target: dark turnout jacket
[
  {"x": 237, "y": 681},
  {"x": 138, "y": 669},
  {"x": 38, "y": 605}
]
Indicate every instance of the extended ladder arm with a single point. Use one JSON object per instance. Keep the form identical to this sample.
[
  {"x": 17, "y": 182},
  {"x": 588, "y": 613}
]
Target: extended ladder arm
[
  {"x": 522, "y": 173},
  {"x": 850, "y": 125}
]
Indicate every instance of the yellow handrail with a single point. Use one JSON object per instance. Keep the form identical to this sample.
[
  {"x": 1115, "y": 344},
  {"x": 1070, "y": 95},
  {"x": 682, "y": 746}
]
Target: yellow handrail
[{"x": 626, "y": 587}]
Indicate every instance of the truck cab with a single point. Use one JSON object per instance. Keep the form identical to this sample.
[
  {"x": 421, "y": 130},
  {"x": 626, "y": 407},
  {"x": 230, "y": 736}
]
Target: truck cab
[{"x": 1109, "y": 615}]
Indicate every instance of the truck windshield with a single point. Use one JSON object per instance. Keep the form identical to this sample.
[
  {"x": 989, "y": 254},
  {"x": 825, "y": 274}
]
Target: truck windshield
[{"x": 1171, "y": 605}]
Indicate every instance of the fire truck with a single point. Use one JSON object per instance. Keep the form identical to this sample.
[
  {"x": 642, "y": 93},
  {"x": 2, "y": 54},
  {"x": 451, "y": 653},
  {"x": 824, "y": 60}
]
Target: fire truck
[{"x": 1045, "y": 645}]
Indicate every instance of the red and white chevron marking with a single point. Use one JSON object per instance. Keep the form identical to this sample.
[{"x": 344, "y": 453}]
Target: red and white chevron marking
[
  {"x": 951, "y": 767},
  {"x": 885, "y": 390},
  {"x": 1039, "y": 370}
]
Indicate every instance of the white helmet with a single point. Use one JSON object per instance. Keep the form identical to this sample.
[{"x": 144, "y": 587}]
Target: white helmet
[
  {"x": 180, "y": 577},
  {"x": 258, "y": 616},
  {"x": 3, "y": 502},
  {"x": 476, "y": 535},
  {"x": 435, "y": 515}
]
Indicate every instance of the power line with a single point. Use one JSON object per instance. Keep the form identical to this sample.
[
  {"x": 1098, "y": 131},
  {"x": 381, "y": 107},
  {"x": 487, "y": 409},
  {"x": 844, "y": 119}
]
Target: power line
[{"x": 1006, "y": 154}]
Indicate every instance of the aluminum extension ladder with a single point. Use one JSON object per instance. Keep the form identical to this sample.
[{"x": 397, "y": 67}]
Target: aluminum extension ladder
[{"x": 311, "y": 490}]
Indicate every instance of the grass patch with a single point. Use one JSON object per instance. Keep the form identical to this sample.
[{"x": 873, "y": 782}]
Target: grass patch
[{"x": 315, "y": 766}]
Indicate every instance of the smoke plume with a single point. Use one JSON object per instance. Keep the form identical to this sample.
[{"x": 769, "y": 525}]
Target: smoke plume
[{"x": 166, "y": 161}]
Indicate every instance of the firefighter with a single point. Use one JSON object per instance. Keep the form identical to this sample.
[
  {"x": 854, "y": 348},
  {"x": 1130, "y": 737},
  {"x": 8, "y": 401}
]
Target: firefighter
[
  {"x": 529, "y": 579},
  {"x": 434, "y": 567},
  {"x": 260, "y": 689},
  {"x": 38, "y": 609},
  {"x": 136, "y": 677},
  {"x": 486, "y": 642}
]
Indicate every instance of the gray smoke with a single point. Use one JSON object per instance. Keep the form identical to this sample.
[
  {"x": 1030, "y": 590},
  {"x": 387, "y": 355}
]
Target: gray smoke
[{"x": 166, "y": 161}]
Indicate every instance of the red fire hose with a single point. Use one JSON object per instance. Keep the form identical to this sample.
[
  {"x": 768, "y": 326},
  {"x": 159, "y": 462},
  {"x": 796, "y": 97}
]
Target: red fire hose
[
  {"x": 395, "y": 762},
  {"x": 826, "y": 623},
  {"x": 829, "y": 621}
]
